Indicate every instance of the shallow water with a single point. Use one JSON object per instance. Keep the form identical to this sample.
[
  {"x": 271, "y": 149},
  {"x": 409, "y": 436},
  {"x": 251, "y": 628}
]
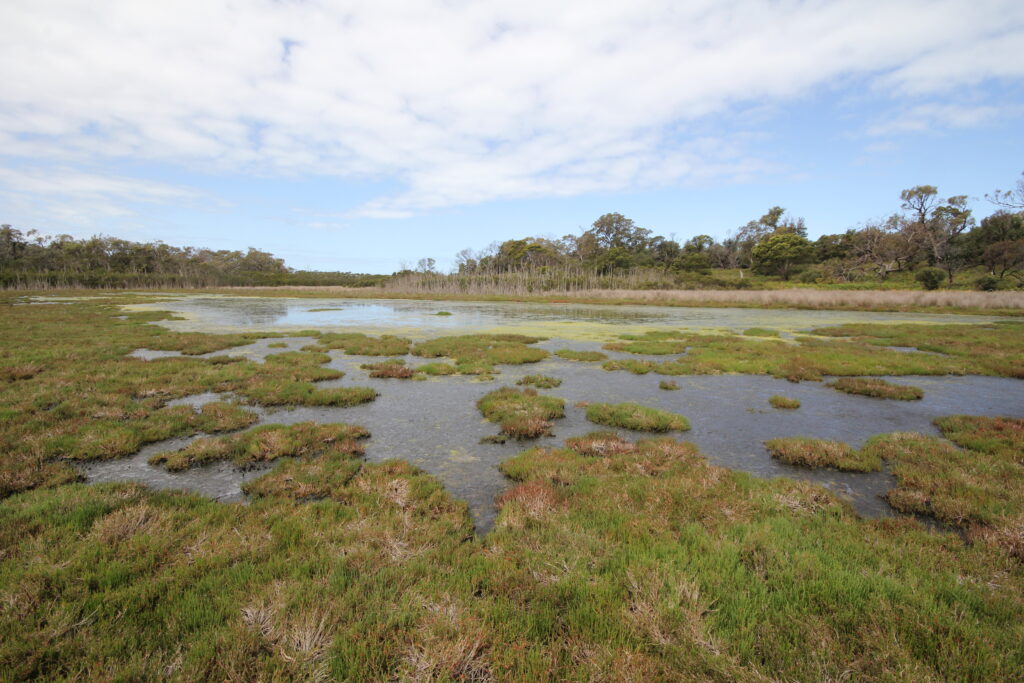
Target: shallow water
[
  {"x": 435, "y": 425},
  {"x": 419, "y": 319}
]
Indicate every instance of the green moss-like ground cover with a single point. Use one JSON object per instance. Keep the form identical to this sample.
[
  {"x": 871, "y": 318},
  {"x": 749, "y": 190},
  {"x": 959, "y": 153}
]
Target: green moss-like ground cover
[
  {"x": 477, "y": 354},
  {"x": 996, "y": 349}
]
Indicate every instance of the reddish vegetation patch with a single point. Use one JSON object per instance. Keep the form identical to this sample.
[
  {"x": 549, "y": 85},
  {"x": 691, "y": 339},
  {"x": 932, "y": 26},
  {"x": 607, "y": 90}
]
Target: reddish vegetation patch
[
  {"x": 877, "y": 388},
  {"x": 1008, "y": 535},
  {"x": 996, "y": 435},
  {"x": 526, "y": 427},
  {"x": 534, "y": 497},
  {"x": 17, "y": 372},
  {"x": 392, "y": 371}
]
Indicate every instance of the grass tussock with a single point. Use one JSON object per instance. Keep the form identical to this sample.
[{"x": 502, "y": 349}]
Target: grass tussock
[
  {"x": 783, "y": 402},
  {"x": 114, "y": 431},
  {"x": 986, "y": 349},
  {"x": 819, "y": 453},
  {"x": 540, "y": 381},
  {"x": 601, "y": 444},
  {"x": 477, "y": 354},
  {"x": 637, "y": 367},
  {"x": 649, "y": 347},
  {"x": 815, "y": 357},
  {"x": 437, "y": 369},
  {"x": 197, "y": 343},
  {"x": 877, "y": 388},
  {"x": 636, "y": 417},
  {"x": 998, "y": 436},
  {"x": 521, "y": 413},
  {"x": 291, "y": 393},
  {"x": 267, "y": 443},
  {"x": 584, "y": 356},
  {"x": 356, "y": 344},
  {"x": 389, "y": 369},
  {"x": 760, "y": 332},
  {"x": 19, "y": 372},
  {"x": 668, "y": 385},
  {"x": 979, "y": 487}
]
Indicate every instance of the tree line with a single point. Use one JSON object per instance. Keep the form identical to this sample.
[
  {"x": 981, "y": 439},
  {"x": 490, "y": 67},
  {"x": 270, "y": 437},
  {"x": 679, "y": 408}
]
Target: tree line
[
  {"x": 935, "y": 237},
  {"x": 31, "y": 260}
]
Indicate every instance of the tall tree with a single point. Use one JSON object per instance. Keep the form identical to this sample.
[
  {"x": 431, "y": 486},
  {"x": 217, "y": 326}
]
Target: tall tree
[
  {"x": 782, "y": 252},
  {"x": 615, "y": 230}
]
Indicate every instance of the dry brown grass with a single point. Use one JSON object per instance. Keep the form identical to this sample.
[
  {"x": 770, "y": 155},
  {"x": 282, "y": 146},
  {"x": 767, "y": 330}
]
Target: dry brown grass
[{"x": 792, "y": 298}]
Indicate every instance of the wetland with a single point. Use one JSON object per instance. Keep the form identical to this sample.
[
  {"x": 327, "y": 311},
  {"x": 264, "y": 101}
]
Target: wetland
[{"x": 360, "y": 471}]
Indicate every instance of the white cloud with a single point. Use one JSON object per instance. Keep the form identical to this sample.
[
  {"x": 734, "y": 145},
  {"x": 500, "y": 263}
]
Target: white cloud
[
  {"x": 65, "y": 196},
  {"x": 933, "y": 117},
  {"x": 463, "y": 101}
]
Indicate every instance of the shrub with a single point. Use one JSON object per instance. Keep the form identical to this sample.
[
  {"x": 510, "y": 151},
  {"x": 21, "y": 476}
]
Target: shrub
[
  {"x": 930, "y": 278},
  {"x": 784, "y": 403},
  {"x": 987, "y": 283}
]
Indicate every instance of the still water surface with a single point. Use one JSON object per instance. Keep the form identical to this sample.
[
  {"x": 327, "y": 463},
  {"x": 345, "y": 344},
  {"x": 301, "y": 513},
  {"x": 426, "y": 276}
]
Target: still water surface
[
  {"x": 435, "y": 424},
  {"x": 419, "y": 319}
]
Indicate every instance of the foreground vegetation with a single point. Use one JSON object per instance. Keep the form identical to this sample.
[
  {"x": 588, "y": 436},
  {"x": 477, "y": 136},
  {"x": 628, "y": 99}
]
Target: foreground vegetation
[
  {"x": 611, "y": 559},
  {"x": 608, "y": 562}
]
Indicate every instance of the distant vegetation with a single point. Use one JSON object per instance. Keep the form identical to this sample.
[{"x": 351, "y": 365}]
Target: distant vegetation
[
  {"x": 939, "y": 238},
  {"x": 930, "y": 242},
  {"x": 32, "y": 261}
]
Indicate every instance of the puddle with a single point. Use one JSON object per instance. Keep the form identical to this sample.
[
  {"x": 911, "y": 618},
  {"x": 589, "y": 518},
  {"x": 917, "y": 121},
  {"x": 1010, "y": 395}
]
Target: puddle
[
  {"x": 220, "y": 481},
  {"x": 435, "y": 425},
  {"x": 152, "y": 354}
]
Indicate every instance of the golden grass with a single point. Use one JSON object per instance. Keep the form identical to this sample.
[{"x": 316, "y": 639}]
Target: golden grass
[{"x": 794, "y": 297}]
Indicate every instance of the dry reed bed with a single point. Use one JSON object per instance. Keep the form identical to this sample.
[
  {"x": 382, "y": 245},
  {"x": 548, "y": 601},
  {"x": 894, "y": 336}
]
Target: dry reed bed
[{"x": 794, "y": 298}]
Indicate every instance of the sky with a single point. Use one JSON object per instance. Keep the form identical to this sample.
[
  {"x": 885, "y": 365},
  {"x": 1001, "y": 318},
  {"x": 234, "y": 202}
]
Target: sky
[{"x": 363, "y": 136}]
